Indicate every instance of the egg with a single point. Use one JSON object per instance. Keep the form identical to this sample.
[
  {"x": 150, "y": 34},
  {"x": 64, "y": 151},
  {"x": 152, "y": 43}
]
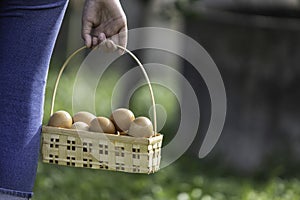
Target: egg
[
  {"x": 61, "y": 119},
  {"x": 122, "y": 119},
  {"x": 102, "y": 125},
  {"x": 83, "y": 116},
  {"x": 141, "y": 127},
  {"x": 80, "y": 126}
]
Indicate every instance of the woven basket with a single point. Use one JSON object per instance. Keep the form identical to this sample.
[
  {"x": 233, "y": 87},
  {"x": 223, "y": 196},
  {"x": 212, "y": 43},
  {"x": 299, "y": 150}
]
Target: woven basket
[{"x": 87, "y": 149}]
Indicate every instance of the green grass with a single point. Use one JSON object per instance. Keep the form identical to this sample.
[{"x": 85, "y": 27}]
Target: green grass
[{"x": 187, "y": 178}]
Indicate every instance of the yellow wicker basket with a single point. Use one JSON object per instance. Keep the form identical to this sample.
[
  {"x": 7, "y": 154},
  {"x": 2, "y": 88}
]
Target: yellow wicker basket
[{"x": 87, "y": 149}]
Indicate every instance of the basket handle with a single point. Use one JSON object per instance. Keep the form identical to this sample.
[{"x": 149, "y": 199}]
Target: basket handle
[{"x": 127, "y": 51}]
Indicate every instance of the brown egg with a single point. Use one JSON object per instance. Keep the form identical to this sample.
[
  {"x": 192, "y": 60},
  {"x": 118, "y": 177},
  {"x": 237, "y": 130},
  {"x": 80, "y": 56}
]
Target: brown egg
[
  {"x": 83, "y": 116},
  {"x": 102, "y": 125},
  {"x": 60, "y": 119},
  {"x": 122, "y": 119},
  {"x": 80, "y": 126},
  {"x": 141, "y": 127}
]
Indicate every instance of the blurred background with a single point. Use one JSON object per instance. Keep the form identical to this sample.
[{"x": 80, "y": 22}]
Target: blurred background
[{"x": 256, "y": 46}]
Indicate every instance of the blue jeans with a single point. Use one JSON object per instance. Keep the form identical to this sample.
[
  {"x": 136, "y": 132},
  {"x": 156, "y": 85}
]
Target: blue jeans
[{"x": 28, "y": 30}]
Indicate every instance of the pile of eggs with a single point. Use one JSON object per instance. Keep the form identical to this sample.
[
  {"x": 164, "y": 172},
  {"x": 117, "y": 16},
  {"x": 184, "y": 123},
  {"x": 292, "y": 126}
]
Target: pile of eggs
[{"x": 121, "y": 121}]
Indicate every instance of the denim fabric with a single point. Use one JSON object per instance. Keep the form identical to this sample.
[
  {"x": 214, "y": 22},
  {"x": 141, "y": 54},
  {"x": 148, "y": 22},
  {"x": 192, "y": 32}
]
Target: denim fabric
[
  {"x": 28, "y": 30},
  {"x": 12, "y": 195}
]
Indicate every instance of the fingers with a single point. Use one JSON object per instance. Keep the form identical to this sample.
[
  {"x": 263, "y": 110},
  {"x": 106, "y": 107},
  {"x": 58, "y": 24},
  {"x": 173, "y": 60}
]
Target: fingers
[
  {"x": 119, "y": 39},
  {"x": 110, "y": 45},
  {"x": 103, "y": 42},
  {"x": 95, "y": 41},
  {"x": 86, "y": 32},
  {"x": 87, "y": 40},
  {"x": 101, "y": 37}
]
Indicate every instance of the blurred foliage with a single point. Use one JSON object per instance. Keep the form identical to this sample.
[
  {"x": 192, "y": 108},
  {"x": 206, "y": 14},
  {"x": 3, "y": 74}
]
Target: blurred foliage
[{"x": 186, "y": 179}]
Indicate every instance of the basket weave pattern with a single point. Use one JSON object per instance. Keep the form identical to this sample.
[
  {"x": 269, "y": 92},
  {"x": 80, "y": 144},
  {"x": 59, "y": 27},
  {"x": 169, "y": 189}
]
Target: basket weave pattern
[{"x": 100, "y": 150}]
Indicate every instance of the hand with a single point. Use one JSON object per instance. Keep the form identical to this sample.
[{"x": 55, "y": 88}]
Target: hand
[{"x": 103, "y": 19}]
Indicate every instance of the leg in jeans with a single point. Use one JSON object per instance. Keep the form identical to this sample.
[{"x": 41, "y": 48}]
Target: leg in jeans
[{"x": 28, "y": 30}]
